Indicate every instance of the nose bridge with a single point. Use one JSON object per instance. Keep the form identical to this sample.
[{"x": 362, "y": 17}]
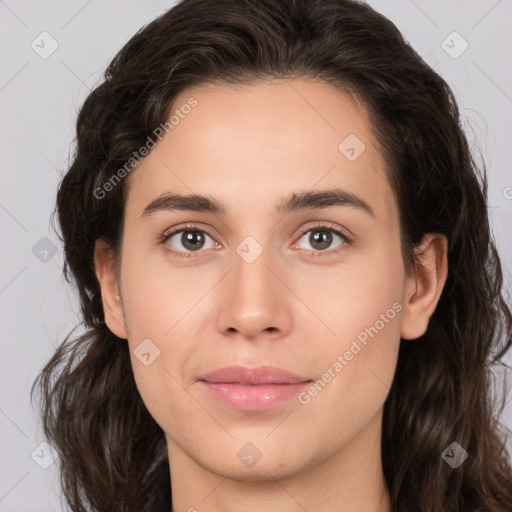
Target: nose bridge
[{"x": 255, "y": 299}]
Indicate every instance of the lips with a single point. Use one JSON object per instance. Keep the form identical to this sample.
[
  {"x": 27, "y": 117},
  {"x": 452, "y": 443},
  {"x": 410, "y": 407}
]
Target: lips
[
  {"x": 252, "y": 389},
  {"x": 252, "y": 376}
]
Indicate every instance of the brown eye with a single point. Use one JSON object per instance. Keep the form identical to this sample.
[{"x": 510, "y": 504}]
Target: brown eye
[
  {"x": 321, "y": 239},
  {"x": 192, "y": 240},
  {"x": 189, "y": 240}
]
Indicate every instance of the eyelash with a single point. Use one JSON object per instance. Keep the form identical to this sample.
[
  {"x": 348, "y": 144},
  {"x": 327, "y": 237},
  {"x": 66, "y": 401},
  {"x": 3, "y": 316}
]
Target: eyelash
[{"x": 193, "y": 227}]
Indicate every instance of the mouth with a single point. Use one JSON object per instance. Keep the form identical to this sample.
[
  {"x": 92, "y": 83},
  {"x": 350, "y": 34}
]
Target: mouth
[{"x": 253, "y": 388}]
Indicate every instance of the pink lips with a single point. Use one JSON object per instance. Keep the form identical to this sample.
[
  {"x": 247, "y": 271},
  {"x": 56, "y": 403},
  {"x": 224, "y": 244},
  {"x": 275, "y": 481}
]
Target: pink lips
[{"x": 252, "y": 388}]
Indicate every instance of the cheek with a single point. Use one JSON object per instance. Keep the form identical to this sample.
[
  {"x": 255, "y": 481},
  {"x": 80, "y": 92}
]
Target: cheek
[
  {"x": 163, "y": 312},
  {"x": 362, "y": 305},
  {"x": 359, "y": 362},
  {"x": 354, "y": 295},
  {"x": 158, "y": 294}
]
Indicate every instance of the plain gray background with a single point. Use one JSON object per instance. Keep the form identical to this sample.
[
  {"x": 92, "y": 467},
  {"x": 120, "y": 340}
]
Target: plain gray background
[{"x": 39, "y": 99}]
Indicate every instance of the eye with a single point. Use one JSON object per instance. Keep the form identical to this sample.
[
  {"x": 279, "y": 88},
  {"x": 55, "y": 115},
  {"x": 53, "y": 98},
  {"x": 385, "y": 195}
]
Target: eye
[
  {"x": 183, "y": 241},
  {"x": 321, "y": 238}
]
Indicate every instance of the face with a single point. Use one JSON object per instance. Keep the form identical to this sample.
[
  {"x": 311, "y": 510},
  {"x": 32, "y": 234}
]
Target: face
[{"x": 299, "y": 268}]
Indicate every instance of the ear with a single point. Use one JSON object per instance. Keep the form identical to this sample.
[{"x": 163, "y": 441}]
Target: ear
[
  {"x": 423, "y": 289},
  {"x": 107, "y": 278}
]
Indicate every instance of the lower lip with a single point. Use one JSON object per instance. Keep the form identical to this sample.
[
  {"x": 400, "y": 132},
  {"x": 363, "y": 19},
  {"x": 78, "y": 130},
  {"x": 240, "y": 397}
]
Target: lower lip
[{"x": 253, "y": 397}]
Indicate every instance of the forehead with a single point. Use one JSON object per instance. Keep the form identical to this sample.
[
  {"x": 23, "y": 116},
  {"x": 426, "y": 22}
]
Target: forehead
[{"x": 261, "y": 141}]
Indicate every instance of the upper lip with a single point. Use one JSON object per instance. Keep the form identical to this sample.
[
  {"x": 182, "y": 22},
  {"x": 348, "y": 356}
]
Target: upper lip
[{"x": 254, "y": 376}]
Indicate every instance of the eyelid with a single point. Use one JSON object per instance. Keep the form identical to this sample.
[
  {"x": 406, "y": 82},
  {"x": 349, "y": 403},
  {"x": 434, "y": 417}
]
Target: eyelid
[
  {"x": 188, "y": 226},
  {"x": 343, "y": 232}
]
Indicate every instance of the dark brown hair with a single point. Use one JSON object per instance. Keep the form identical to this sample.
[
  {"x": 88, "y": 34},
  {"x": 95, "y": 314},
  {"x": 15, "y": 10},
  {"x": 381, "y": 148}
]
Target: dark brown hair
[{"x": 113, "y": 455}]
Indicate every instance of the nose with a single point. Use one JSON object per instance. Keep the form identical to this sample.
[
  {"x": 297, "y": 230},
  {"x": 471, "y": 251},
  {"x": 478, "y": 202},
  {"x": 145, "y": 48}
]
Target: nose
[{"x": 255, "y": 300}]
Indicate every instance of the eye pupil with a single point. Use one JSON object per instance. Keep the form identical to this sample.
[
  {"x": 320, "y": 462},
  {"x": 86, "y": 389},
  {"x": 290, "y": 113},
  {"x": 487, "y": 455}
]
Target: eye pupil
[
  {"x": 192, "y": 240},
  {"x": 321, "y": 237}
]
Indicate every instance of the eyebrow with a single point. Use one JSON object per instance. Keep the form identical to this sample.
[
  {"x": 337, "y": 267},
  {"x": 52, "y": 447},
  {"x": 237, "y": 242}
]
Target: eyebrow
[{"x": 295, "y": 202}]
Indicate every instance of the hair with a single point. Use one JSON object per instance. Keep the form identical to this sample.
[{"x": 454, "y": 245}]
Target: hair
[{"x": 113, "y": 455}]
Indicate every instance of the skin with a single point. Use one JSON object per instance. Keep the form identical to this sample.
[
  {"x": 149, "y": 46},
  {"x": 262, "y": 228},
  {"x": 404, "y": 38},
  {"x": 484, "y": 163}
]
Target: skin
[{"x": 297, "y": 306}]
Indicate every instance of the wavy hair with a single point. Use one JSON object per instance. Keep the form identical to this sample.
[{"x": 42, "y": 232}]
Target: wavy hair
[{"x": 113, "y": 455}]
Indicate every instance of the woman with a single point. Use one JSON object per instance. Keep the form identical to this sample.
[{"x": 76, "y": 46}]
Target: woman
[{"x": 282, "y": 249}]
